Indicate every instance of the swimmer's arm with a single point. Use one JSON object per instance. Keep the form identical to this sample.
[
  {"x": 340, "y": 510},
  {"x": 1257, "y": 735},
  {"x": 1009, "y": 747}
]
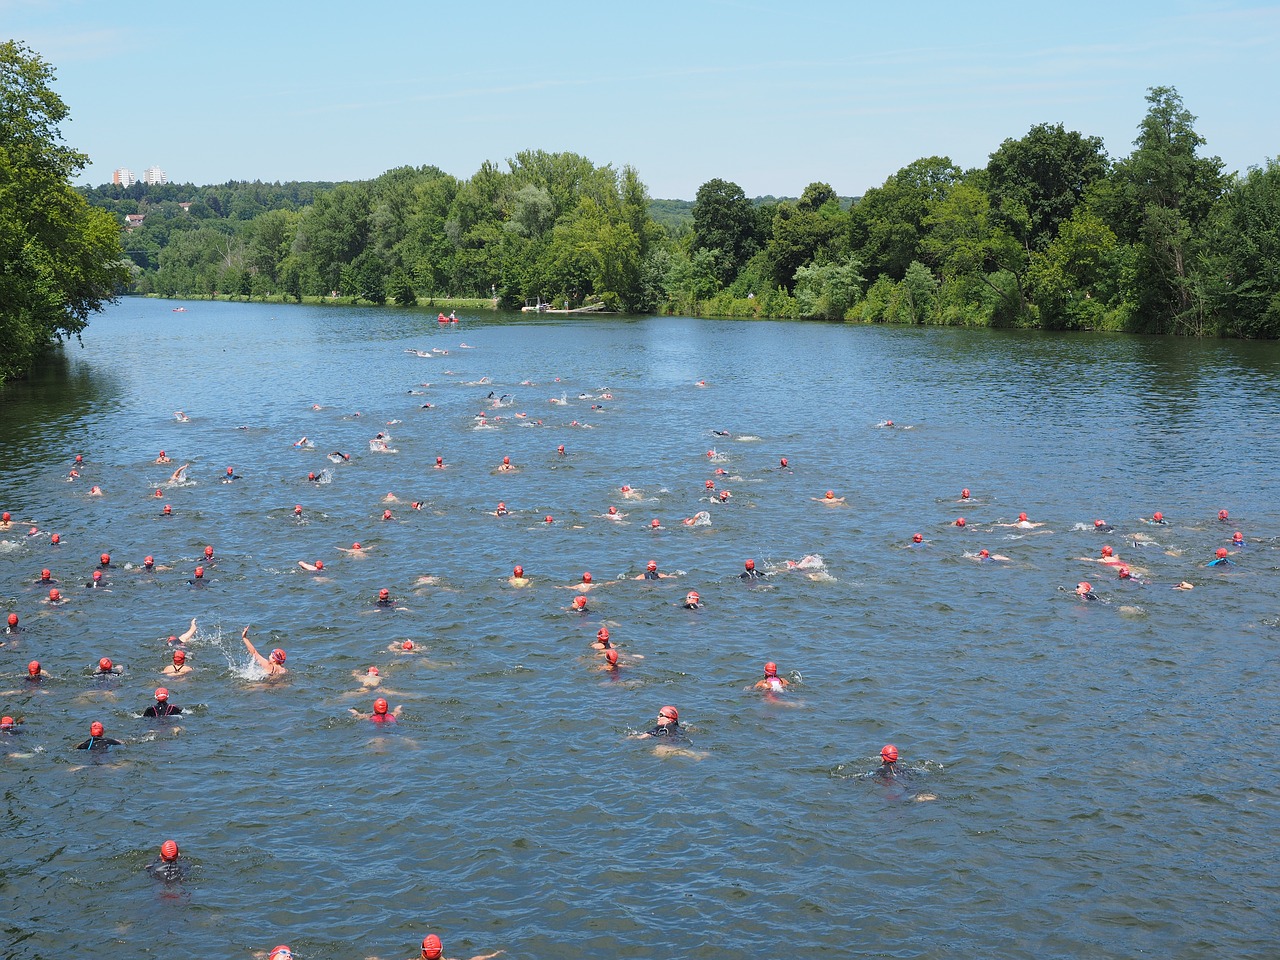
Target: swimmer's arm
[
  {"x": 191, "y": 632},
  {"x": 253, "y": 652},
  {"x": 486, "y": 956}
]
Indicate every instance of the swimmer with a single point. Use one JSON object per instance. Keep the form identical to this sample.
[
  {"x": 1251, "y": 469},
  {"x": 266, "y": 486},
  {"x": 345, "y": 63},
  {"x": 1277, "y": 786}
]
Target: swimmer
[
  {"x": 198, "y": 579},
  {"x": 6, "y": 520},
  {"x": 986, "y": 556},
  {"x": 317, "y": 567},
  {"x": 586, "y": 584},
  {"x": 783, "y": 464},
  {"x": 771, "y": 681},
  {"x": 1101, "y": 526},
  {"x": 749, "y": 571},
  {"x": 432, "y": 948},
  {"x": 384, "y": 599},
  {"x": 12, "y": 625},
  {"x": 106, "y": 668},
  {"x": 964, "y": 496},
  {"x": 724, "y": 496},
  {"x": 35, "y": 672},
  {"x": 55, "y": 597},
  {"x": 339, "y": 457},
  {"x": 46, "y": 576},
  {"x": 1105, "y": 555},
  {"x": 505, "y": 466},
  {"x": 560, "y": 450},
  {"x": 579, "y": 604},
  {"x": 230, "y": 475},
  {"x": 179, "y": 667},
  {"x": 888, "y": 769},
  {"x": 1237, "y": 539},
  {"x": 601, "y": 641},
  {"x": 610, "y": 664},
  {"x": 401, "y": 646},
  {"x": 170, "y": 867},
  {"x": 668, "y": 726},
  {"x": 440, "y": 465},
  {"x": 501, "y": 510},
  {"x": 10, "y": 727},
  {"x": 810, "y": 561},
  {"x": 1220, "y": 559},
  {"x": 304, "y": 442},
  {"x": 960, "y": 522},
  {"x": 656, "y": 524},
  {"x": 722, "y": 433},
  {"x": 187, "y": 635},
  {"x": 95, "y": 491},
  {"x": 380, "y": 712},
  {"x": 273, "y": 665},
  {"x": 1125, "y": 574},
  {"x": 651, "y": 572},
  {"x": 1022, "y": 523},
  {"x": 692, "y": 601},
  {"x": 367, "y": 678},
  {"x": 917, "y": 540},
  {"x": 517, "y": 578},
  {"x": 613, "y": 514},
  {"x": 829, "y": 498},
  {"x": 181, "y": 417},
  {"x": 1157, "y": 518},
  {"x": 162, "y": 707},
  {"x": 98, "y": 740},
  {"x": 162, "y": 458},
  {"x": 1084, "y": 590},
  {"x": 166, "y": 512},
  {"x": 356, "y": 550},
  {"x": 630, "y": 493}
]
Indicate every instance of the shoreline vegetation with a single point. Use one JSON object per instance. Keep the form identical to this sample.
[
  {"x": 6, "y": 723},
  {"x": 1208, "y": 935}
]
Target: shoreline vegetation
[{"x": 1051, "y": 234}]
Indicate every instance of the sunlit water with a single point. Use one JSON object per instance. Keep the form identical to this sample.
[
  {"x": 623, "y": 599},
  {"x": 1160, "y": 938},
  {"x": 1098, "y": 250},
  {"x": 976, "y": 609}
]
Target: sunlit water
[{"x": 1104, "y": 773}]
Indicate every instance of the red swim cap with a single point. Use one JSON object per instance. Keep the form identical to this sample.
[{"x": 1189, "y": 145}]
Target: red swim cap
[
  {"x": 917, "y": 538},
  {"x": 692, "y": 597},
  {"x": 725, "y": 494},
  {"x": 105, "y": 664},
  {"x": 518, "y": 571},
  {"x": 1107, "y": 551},
  {"x": 280, "y": 951},
  {"x": 96, "y": 729},
  {"x": 750, "y": 564},
  {"x": 770, "y": 669},
  {"x": 230, "y": 471},
  {"x": 380, "y": 706},
  {"x": 1122, "y": 572},
  {"x": 889, "y": 753},
  {"x": 831, "y": 494},
  {"x": 1220, "y": 552},
  {"x": 711, "y": 453},
  {"x": 984, "y": 552},
  {"x": 960, "y": 521},
  {"x": 965, "y": 493},
  {"x": 355, "y": 546},
  {"x": 1237, "y": 537},
  {"x": 33, "y": 668},
  {"x": 105, "y": 558},
  {"x": 311, "y": 476},
  {"x": 97, "y": 575},
  {"x": 56, "y": 538},
  {"x": 586, "y": 576},
  {"x": 5, "y": 517},
  {"x": 432, "y": 947},
  {"x": 548, "y": 519},
  {"x": 179, "y": 657},
  {"x": 319, "y": 564},
  {"x": 373, "y": 671},
  {"x": 297, "y": 508},
  {"x": 1223, "y": 515},
  {"x": 652, "y": 565},
  {"x": 54, "y": 595},
  {"x": 613, "y": 510},
  {"x": 167, "y": 510},
  {"x": 1084, "y": 586},
  {"x": 1099, "y": 523},
  {"x": 159, "y": 493},
  {"x": 506, "y": 461},
  {"x": 6, "y": 723},
  {"x": 579, "y": 602},
  {"x": 162, "y": 693},
  {"x": 711, "y": 484},
  {"x": 384, "y": 593},
  {"x": 654, "y": 523},
  {"x": 611, "y": 655},
  {"x": 46, "y": 573},
  {"x": 169, "y": 850},
  {"x": 13, "y": 619},
  {"x": 602, "y": 633},
  {"x": 208, "y": 551},
  {"x": 199, "y": 572},
  {"x": 560, "y": 449},
  {"x": 278, "y": 656},
  {"x": 407, "y": 645},
  {"x": 670, "y": 713},
  {"x": 148, "y": 561},
  {"x": 386, "y": 514},
  {"x": 1157, "y": 516},
  {"x": 1022, "y": 518},
  {"x": 782, "y": 462},
  {"x": 79, "y": 458}
]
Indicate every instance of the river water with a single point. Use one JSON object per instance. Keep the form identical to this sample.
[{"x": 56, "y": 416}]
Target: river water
[{"x": 1079, "y": 778}]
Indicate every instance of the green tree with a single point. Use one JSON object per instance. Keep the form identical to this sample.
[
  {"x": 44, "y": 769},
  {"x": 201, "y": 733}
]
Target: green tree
[
  {"x": 814, "y": 229},
  {"x": 60, "y": 259},
  {"x": 828, "y": 290},
  {"x": 724, "y": 220},
  {"x": 886, "y": 227},
  {"x": 1042, "y": 177},
  {"x": 1240, "y": 273}
]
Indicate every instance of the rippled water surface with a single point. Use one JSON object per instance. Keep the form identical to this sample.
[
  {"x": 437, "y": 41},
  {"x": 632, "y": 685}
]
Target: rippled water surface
[{"x": 1103, "y": 774}]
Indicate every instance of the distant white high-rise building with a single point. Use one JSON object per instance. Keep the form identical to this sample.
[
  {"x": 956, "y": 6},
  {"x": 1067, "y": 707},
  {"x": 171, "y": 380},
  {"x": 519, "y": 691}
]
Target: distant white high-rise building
[
  {"x": 154, "y": 175},
  {"x": 124, "y": 177}
]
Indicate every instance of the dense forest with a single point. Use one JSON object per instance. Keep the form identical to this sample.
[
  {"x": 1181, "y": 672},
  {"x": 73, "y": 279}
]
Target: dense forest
[{"x": 1051, "y": 233}]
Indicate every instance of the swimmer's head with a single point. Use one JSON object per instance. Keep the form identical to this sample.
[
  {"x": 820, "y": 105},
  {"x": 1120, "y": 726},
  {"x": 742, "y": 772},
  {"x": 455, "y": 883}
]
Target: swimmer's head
[
  {"x": 548, "y": 519},
  {"x": 1157, "y": 516},
  {"x": 1223, "y": 515},
  {"x": 79, "y": 458},
  {"x": 439, "y": 461},
  {"x": 45, "y": 574},
  {"x": 6, "y": 723},
  {"x": 692, "y": 599},
  {"x": 149, "y": 561},
  {"x": 624, "y": 489},
  {"x": 172, "y": 639},
  {"x": 199, "y": 573},
  {"x": 386, "y": 514},
  {"x": 782, "y": 462},
  {"x": 54, "y": 595},
  {"x": 55, "y": 539},
  {"x": 1237, "y": 537},
  {"x": 613, "y": 511},
  {"x": 5, "y": 517},
  {"x": 1083, "y": 587},
  {"x": 711, "y": 453},
  {"x": 407, "y": 645},
  {"x": 611, "y": 656},
  {"x": 669, "y": 713},
  {"x": 654, "y": 523},
  {"x": 13, "y": 619},
  {"x": 506, "y": 461},
  {"x": 167, "y": 511},
  {"x": 1107, "y": 551},
  {"x": 281, "y": 952},
  {"x": 105, "y": 559},
  {"x": 97, "y": 576},
  {"x": 96, "y": 729},
  {"x": 517, "y": 571},
  {"x": 311, "y": 476},
  {"x": 1220, "y": 552},
  {"x": 889, "y": 753},
  {"x": 586, "y": 576},
  {"x": 651, "y": 566},
  {"x": 579, "y": 602},
  {"x": 603, "y": 634},
  {"x": 208, "y": 552},
  {"x": 372, "y": 671},
  {"x": 319, "y": 564},
  {"x": 830, "y": 495},
  {"x": 1099, "y": 523},
  {"x": 159, "y": 493},
  {"x": 105, "y": 664},
  {"x": 560, "y": 449},
  {"x": 1123, "y": 572},
  {"x": 917, "y": 538},
  {"x": 959, "y": 521},
  {"x": 169, "y": 851},
  {"x": 297, "y": 509},
  {"x": 431, "y": 947},
  {"x": 230, "y": 471},
  {"x": 162, "y": 694},
  {"x": 278, "y": 656},
  {"x": 384, "y": 594},
  {"x": 770, "y": 669},
  {"x": 964, "y": 494},
  {"x": 179, "y": 657},
  {"x": 711, "y": 484},
  {"x": 749, "y": 564},
  {"x": 162, "y": 454},
  {"x": 725, "y": 495},
  {"x": 1022, "y": 518},
  {"x": 380, "y": 706},
  {"x": 355, "y": 546},
  {"x": 984, "y": 553},
  {"x": 33, "y": 668}
]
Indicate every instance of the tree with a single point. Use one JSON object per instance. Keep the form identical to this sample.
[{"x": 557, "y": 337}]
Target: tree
[
  {"x": 886, "y": 227},
  {"x": 60, "y": 259},
  {"x": 1240, "y": 272},
  {"x": 1045, "y": 174},
  {"x": 724, "y": 220},
  {"x": 814, "y": 229},
  {"x": 827, "y": 290}
]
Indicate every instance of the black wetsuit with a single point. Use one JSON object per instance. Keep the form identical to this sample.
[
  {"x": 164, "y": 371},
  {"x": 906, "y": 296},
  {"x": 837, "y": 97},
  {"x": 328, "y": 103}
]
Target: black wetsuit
[
  {"x": 165, "y": 709},
  {"x": 670, "y": 731},
  {"x": 170, "y": 871},
  {"x": 652, "y": 575},
  {"x": 751, "y": 575},
  {"x": 99, "y": 743}
]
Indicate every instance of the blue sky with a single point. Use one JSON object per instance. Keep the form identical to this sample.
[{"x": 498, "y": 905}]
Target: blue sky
[{"x": 771, "y": 96}]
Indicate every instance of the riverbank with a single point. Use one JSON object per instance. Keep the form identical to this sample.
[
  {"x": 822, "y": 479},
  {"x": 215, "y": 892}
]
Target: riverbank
[{"x": 434, "y": 303}]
